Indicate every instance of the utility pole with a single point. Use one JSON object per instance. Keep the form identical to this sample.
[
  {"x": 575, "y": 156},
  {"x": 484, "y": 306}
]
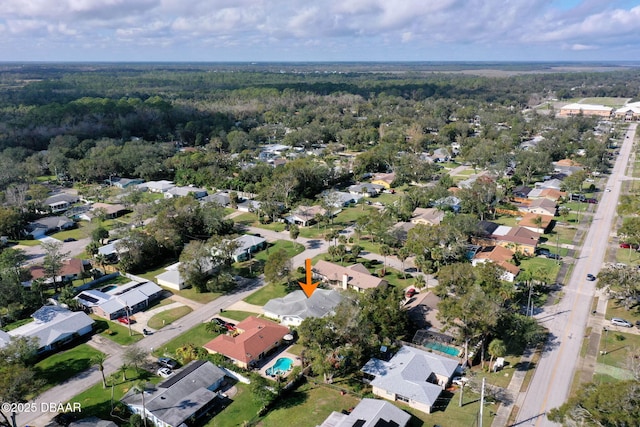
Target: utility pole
[
  {"x": 461, "y": 393},
  {"x": 481, "y": 403}
]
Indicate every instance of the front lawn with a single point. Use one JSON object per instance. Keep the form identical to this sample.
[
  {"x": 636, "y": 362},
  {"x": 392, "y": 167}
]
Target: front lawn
[
  {"x": 242, "y": 408},
  {"x": 66, "y": 364},
  {"x": 541, "y": 266},
  {"x": 96, "y": 401},
  {"x": 198, "y": 336},
  {"x": 264, "y": 294},
  {"x": 236, "y": 315},
  {"x": 115, "y": 331},
  {"x": 167, "y": 317}
]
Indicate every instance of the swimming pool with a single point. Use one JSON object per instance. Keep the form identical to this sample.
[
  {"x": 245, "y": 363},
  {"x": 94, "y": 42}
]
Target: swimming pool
[
  {"x": 452, "y": 351},
  {"x": 281, "y": 366}
]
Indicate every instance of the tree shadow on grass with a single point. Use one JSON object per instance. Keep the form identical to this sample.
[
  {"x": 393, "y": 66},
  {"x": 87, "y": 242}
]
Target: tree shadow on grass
[
  {"x": 289, "y": 400},
  {"x": 63, "y": 370}
]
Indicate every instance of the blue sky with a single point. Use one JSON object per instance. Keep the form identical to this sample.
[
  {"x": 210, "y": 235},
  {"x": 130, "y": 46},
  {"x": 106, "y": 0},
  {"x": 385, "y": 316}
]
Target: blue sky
[{"x": 319, "y": 30}]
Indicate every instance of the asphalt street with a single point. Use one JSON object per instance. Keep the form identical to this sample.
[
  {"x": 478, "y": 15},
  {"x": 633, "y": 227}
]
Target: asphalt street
[{"x": 566, "y": 321}]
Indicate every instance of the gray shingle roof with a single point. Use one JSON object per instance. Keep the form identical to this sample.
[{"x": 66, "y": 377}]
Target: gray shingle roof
[
  {"x": 370, "y": 413},
  {"x": 321, "y": 303},
  {"x": 52, "y": 324}
]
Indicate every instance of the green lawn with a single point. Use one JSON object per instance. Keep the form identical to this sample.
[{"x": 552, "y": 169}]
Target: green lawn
[
  {"x": 627, "y": 256},
  {"x": 198, "y": 336},
  {"x": 288, "y": 245},
  {"x": 243, "y": 408},
  {"x": 83, "y": 230},
  {"x": 615, "y": 309},
  {"x": 618, "y": 347},
  {"x": 548, "y": 267},
  {"x": 66, "y": 364},
  {"x": 17, "y": 324},
  {"x": 96, "y": 401},
  {"x": 266, "y": 293},
  {"x": 237, "y": 315},
  {"x": 118, "y": 332},
  {"x": 167, "y": 317}
]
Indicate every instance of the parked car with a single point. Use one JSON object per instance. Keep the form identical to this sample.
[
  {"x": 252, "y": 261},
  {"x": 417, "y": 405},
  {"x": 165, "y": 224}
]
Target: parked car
[
  {"x": 626, "y": 245},
  {"x": 165, "y": 372},
  {"x": 167, "y": 362},
  {"x": 219, "y": 321},
  {"x": 459, "y": 380},
  {"x": 230, "y": 326},
  {"x": 552, "y": 256},
  {"x": 69, "y": 239},
  {"x": 411, "y": 292},
  {"x": 621, "y": 322},
  {"x": 592, "y": 201},
  {"x": 591, "y": 277},
  {"x": 126, "y": 320},
  {"x": 543, "y": 251}
]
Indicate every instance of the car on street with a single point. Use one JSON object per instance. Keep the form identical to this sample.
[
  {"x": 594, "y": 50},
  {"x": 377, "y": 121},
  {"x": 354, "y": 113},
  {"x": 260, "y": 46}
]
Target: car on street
[
  {"x": 165, "y": 372},
  {"x": 617, "y": 321},
  {"x": 126, "y": 320},
  {"x": 592, "y": 201},
  {"x": 591, "y": 277},
  {"x": 167, "y": 362}
]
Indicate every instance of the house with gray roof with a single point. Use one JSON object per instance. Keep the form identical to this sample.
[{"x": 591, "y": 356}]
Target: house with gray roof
[
  {"x": 221, "y": 198},
  {"x": 294, "y": 307},
  {"x": 180, "y": 399},
  {"x": 60, "y": 202},
  {"x": 196, "y": 192},
  {"x": 366, "y": 189},
  {"x": 247, "y": 244},
  {"x": 121, "y": 301},
  {"x": 125, "y": 182},
  {"x": 413, "y": 376},
  {"x": 54, "y": 326},
  {"x": 369, "y": 413},
  {"x": 161, "y": 186},
  {"x": 49, "y": 224}
]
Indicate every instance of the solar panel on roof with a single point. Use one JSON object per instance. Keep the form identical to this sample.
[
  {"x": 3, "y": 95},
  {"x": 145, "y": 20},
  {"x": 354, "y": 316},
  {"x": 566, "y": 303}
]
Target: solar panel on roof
[{"x": 89, "y": 298}]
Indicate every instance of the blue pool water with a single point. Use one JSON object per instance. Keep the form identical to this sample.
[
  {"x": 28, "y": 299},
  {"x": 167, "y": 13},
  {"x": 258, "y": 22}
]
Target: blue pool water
[
  {"x": 281, "y": 366},
  {"x": 452, "y": 351}
]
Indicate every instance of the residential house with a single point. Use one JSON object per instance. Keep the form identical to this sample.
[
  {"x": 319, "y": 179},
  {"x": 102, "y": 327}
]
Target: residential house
[
  {"x": 221, "y": 198},
  {"x": 567, "y": 167},
  {"x": 384, "y": 179},
  {"x": 355, "y": 276},
  {"x": 60, "y": 202},
  {"x": 49, "y": 224},
  {"x": 441, "y": 155},
  {"x": 294, "y": 307},
  {"x": 197, "y": 193},
  {"x": 93, "y": 422},
  {"x": 427, "y": 216},
  {"x": 554, "y": 183},
  {"x": 161, "y": 186},
  {"x": 340, "y": 199},
  {"x": 542, "y": 206},
  {"x": 124, "y": 300},
  {"x": 112, "y": 250},
  {"x": 521, "y": 193},
  {"x": 305, "y": 215},
  {"x": 516, "y": 239},
  {"x": 365, "y": 189},
  {"x": 125, "y": 183},
  {"x": 110, "y": 211},
  {"x": 71, "y": 269},
  {"x": 252, "y": 341},
  {"x": 451, "y": 203},
  {"x": 413, "y": 376},
  {"x": 536, "y": 222},
  {"x": 629, "y": 112},
  {"x": 182, "y": 398},
  {"x": 54, "y": 326},
  {"x": 246, "y": 245},
  {"x": 171, "y": 278},
  {"x": 499, "y": 256},
  {"x": 249, "y": 206},
  {"x": 546, "y": 193},
  {"x": 369, "y": 413},
  {"x": 422, "y": 309}
]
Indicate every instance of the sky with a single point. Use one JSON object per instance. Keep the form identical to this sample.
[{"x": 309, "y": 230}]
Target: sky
[{"x": 319, "y": 30}]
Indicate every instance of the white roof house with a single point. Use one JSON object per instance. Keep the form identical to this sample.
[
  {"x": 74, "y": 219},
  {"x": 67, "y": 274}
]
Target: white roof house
[
  {"x": 124, "y": 299},
  {"x": 198, "y": 193},
  {"x": 54, "y": 326},
  {"x": 369, "y": 413},
  {"x": 161, "y": 186},
  {"x": 413, "y": 376},
  {"x": 294, "y": 307}
]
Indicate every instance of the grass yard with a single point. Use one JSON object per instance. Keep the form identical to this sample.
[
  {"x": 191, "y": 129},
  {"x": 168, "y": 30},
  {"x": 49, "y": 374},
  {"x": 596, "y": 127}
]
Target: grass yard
[
  {"x": 618, "y": 347},
  {"x": 194, "y": 295},
  {"x": 548, "y": 267},
  {"x": 17, "y": 324},
  {"x": 82, "y": 231},
  {"x": 118, "y": 332},
  {"x": 308, "y": 406},
  {"x": 627, "y": 256},
  {"x": 96, "y": 401},
  {"x": 266, "y": 293},
  {"x": 243, "y": 408},
  {"x": 615, "y": 309},
  {"x": 63, "y": 365},
  {"x": 167, "y": 317},
  {"x": 151, "y": 274},
  {"x": 237, "y": 315},
  {"x": 288, "y": 245},
  {"x": 198, "y": 336}
]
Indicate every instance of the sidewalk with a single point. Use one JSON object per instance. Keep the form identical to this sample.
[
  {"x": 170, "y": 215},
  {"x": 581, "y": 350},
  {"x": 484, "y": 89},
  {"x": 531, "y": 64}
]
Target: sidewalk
[{"x": 513, "y": 391}]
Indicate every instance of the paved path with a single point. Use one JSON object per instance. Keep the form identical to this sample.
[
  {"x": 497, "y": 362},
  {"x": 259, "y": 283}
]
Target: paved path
[
  {"x": 67, "y": 390},
  {"x": 245, "y": 306}
]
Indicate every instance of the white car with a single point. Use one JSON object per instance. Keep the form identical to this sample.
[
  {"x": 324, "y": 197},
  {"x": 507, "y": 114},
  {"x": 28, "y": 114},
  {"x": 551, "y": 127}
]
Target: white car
[
  {"x": 165, "y": 372},
  {"x": 460, "y": 380},
  {"x": 621, "y": 322}
]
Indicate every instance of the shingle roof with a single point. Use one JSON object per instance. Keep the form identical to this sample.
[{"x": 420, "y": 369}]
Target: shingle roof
[
  {"x": 408, "y": 371},
  {"x": 319, "y": 304},
  {"x": 52, "y": 324},
  {"x": 357, "y": 274},
  {"x": 370, "y": 413},
  {"x": 256, "y": 336}
]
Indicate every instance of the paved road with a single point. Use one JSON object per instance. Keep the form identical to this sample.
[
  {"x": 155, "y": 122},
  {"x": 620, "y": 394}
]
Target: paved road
[
  {"x": 566, "y": 321},
  {"x": 65, "y": 391}
]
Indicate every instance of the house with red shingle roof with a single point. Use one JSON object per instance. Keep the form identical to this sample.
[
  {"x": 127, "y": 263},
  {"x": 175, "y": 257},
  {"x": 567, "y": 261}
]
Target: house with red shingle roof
[
  {"x": 499, "y": 256},
  {"x": 252, "y": 340}
]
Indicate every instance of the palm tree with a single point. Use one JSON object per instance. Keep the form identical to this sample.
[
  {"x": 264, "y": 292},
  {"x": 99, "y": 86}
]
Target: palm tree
[
  {"x": 123, "y": 369},
  {"x": 99, "y": 360},
  {"x": 402, "y": 254},
  {"x": 341, "y": 251},
  {"x": 385, "y": 251},
  {"x": 355, "y": 251},
  {"x": 497, "y": 348},
  {"x": 140, "y": 387},
  {"x": 294, "y": 232}
]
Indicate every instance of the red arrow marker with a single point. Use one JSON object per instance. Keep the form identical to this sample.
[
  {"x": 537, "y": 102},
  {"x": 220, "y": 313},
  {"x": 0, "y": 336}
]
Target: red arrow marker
[{"x": 309, "y": 287}]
